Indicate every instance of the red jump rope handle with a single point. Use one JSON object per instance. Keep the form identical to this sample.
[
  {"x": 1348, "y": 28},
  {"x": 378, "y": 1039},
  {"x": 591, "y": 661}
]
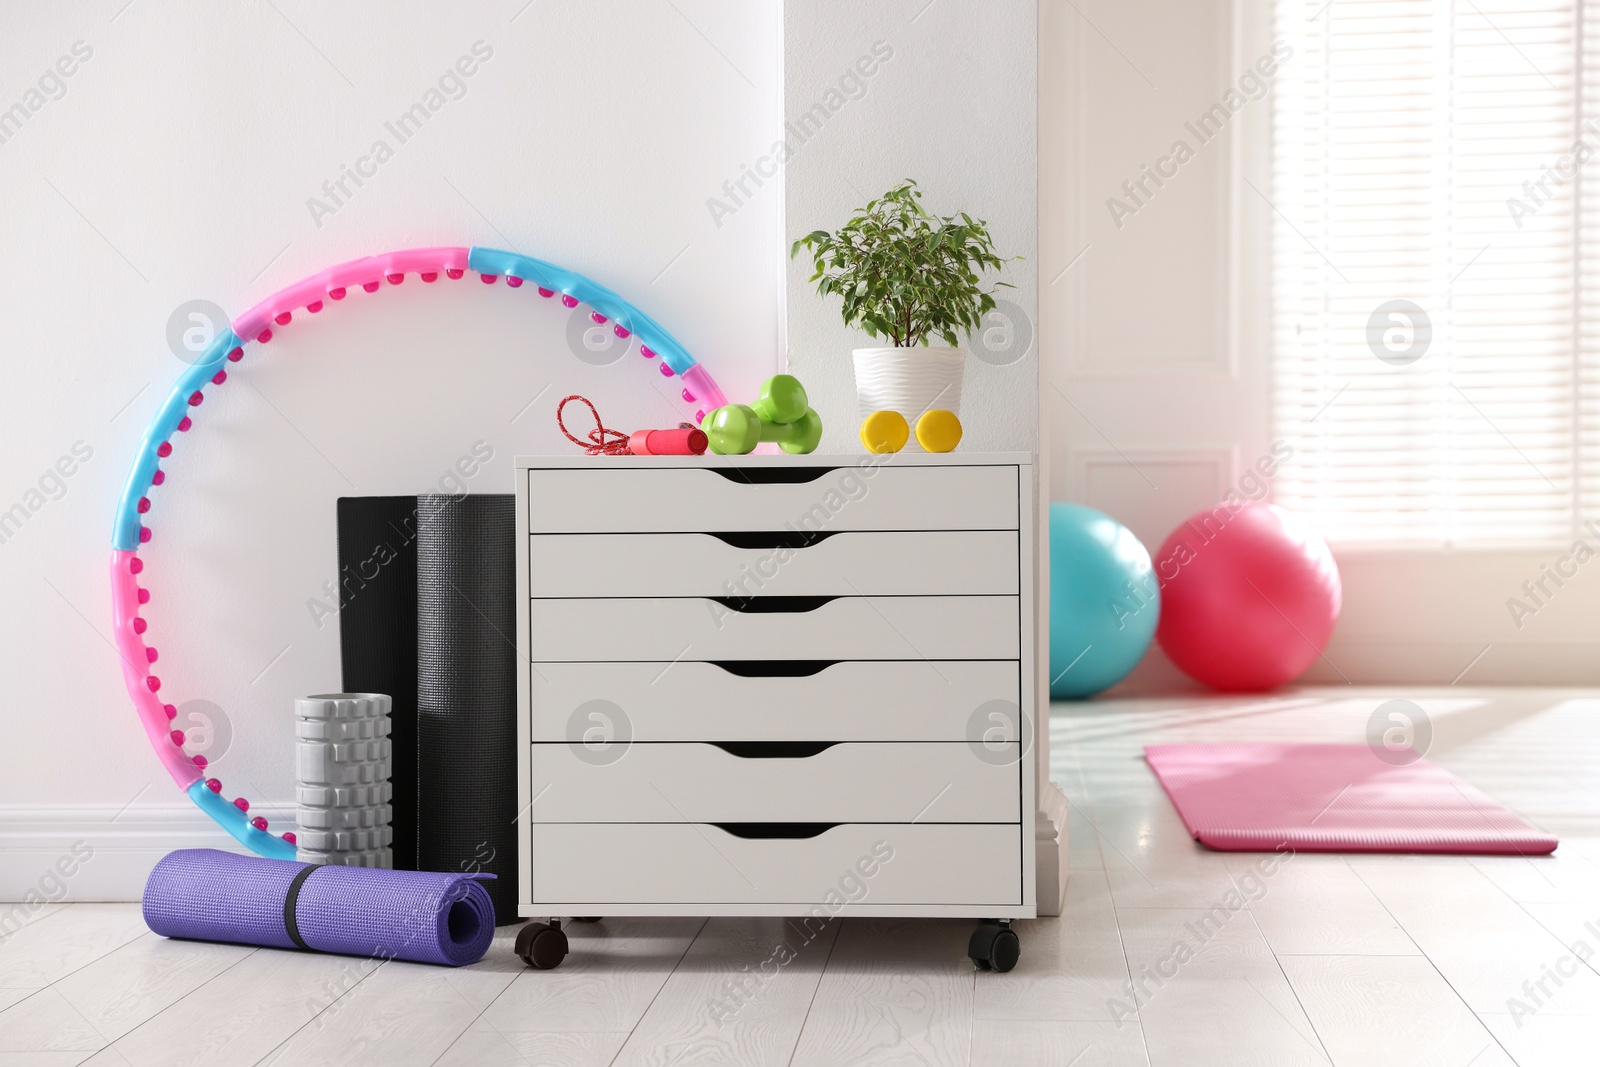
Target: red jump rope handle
[{"x": 681, "y": 442}]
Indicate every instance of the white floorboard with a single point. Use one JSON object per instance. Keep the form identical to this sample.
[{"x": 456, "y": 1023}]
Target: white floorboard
[
  {"x": 1346, "y": 960},
  {"x": 1374, "y": 1011}
]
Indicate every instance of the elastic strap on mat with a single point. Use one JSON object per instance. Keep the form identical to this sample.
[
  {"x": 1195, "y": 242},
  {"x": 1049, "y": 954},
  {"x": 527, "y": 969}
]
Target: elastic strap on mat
[{"x": 289, "y": 901}]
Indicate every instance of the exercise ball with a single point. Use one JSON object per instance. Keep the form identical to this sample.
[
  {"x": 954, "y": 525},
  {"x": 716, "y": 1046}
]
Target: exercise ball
[
  {"x": 1103, "y": 601},
  {"x": 1249, "y": 597}
]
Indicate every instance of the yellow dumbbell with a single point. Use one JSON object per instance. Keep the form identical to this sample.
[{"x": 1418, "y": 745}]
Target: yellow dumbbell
[
  {"x": 939, "y": 431},
  {"x": 886, "y": 431}
]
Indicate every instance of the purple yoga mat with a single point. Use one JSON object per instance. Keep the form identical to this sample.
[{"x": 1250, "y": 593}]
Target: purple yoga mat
[{"x": 204, "y": 894}]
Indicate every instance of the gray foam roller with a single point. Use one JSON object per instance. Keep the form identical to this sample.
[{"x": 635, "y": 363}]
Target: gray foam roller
[
  {"x": 378, "y": 857},
  {"x": 342, "y": 763},
  {"x": 352, "y": 796}
]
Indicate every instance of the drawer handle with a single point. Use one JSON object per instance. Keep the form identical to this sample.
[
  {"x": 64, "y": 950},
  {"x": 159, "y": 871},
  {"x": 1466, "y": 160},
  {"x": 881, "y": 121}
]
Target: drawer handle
[
  {"x": 775, "y": 829},
  {"x": 776, "y": 539},
  {"x": 774, "y": 749},
  {"x": 784, "y": 475},
  {"x": 774, "y": 668},
  {"x": 762, "y": 605}
]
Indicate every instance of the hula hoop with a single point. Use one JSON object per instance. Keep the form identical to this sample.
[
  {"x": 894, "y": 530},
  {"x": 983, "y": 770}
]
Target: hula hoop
[{"x": 255, "y": 326}]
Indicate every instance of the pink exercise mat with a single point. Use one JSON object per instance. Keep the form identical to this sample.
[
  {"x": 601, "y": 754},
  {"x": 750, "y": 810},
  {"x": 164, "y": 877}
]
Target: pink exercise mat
[{"x": 1332, "y": 798}]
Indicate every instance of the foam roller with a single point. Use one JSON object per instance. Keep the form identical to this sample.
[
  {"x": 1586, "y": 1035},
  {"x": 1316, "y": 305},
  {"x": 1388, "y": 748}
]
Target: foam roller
[
  {"x": 467, "y": 689},
  {"x": 378, "y": 636},
  {"x": 342, "y": 762}
]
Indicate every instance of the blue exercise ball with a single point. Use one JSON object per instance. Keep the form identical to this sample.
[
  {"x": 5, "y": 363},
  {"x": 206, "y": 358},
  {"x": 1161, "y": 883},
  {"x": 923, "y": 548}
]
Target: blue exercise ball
[{"x": 1104, "y": 601}]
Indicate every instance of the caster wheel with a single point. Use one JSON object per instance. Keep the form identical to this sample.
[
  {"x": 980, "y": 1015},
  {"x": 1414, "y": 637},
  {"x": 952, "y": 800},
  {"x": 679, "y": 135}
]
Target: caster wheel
[
  {"x": 994, "y": 948},
  {"x": 541, "y": 946},
  {"x": 586, "y": 918}
]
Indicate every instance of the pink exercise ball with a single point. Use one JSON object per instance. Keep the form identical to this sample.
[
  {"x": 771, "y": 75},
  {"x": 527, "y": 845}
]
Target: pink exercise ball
[{"x": 1249, "y": 597}]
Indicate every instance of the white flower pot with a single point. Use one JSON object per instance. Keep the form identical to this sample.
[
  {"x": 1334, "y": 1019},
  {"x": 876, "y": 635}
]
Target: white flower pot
[{"x": 909, "y": 380}]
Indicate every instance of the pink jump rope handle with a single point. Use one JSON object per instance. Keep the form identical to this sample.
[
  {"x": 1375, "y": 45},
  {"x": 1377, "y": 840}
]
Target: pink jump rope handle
[{"x": 682, "y": 442}]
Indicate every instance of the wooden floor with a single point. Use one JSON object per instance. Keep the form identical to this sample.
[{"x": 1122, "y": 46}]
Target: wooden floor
[{"x": 1349, "y": 960}]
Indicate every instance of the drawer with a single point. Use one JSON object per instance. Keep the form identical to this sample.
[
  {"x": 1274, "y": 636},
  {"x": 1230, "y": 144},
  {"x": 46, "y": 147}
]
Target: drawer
[
  {"x": 776, "y": 781},
  {"x": 693, "y": 863},
  {"x": 618, "y": 495},
  {"x": 837, "y": 628},
  {"x": 785, "y": 563},
  {"x": 771, "y": 700}
]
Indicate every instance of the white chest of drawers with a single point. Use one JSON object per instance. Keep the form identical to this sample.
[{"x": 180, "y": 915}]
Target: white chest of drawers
[{"x": 776, "y": 685}]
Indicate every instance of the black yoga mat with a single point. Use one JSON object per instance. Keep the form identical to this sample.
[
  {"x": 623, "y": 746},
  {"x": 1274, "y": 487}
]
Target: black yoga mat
[
  {"x": 467, "y": 690},
  {"x": 378, "y": 635}
]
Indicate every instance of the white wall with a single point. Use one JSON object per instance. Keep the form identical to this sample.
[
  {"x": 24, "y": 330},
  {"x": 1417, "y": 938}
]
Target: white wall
[
  {"x": 177, "y": 165},
  {"x": 950, "y": 103}
]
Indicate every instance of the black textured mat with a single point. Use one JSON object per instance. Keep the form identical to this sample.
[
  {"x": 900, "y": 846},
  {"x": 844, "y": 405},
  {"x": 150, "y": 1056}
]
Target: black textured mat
[
  {"x": 377, "y": 595},
  {"x": 466, "y": 660}
]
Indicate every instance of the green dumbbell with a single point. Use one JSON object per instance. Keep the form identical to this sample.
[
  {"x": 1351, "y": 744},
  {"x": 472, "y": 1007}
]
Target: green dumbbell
[
  {"x": 781, "y": 414},
  {"x": 735, "y": 430},
  {"x": 782, "y": 400}
]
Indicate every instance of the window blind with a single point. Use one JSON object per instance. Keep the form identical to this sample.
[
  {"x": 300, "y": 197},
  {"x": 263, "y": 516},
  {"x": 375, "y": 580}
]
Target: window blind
[{"x": 1436, "y": 273}]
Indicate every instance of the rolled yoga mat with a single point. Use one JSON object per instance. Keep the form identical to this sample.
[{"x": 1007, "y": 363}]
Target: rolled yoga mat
[
  {"x": 378, "y": 638},
  {"x": 467, "y": 689},
  {"x": 204, "y": 894}
]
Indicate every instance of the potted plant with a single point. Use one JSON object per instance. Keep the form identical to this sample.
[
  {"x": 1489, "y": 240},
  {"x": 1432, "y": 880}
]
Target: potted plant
[{"x": 910, "y": 278}]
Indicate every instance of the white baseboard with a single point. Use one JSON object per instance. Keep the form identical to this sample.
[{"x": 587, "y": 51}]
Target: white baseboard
[
  {"x": 1050, "y": 849},
  {"x": 1402, "y": 661},
  {"x": 1463, "y": 661},
  {"x": 37, "y": 849}
]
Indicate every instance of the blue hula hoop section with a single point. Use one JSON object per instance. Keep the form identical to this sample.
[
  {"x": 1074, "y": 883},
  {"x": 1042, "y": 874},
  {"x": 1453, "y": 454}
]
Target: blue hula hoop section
[
  {"x": 237, "y": 823},
  {"x": 549, "y": 276}
]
